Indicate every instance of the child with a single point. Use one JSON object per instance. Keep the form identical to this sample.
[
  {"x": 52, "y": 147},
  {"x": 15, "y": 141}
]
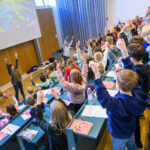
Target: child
[
  {"x": 146, "y": 36},
  {"x": 98, "y": 58},
  {"x": 139, "y": 39},
  {"x": 136, "y": 53},
  {"x": 56, "y": 128},
  {"x": 53, "y": 74},
  {"x": 11, "y": 110},
  {"x": 30, "y": 91},
  {"x": 113, "y": 52},
  {"x": 125, "y": 106},
  {"x": 71, "y": 65},
  {"x": 75, "y": 89},
  {"x": 45, "y": 82},
  {"x": 31, "y": 101}
]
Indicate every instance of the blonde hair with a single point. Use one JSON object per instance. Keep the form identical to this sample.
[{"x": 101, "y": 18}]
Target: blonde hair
[
  {"x": 76, "y": 76},
  {"x": 109, "y": 39},
  {"x": 98, "y": 57},
  {"x": 146, "y": 30},
  {"x": 127, "y": 79},
  {"x": 30, "y": 90},
  {"x": 101, "y": 68},
  {"x": 60, "y": 117}
]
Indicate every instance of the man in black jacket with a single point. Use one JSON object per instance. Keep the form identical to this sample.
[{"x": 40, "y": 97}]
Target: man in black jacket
[{"x": 15, "y": 77}]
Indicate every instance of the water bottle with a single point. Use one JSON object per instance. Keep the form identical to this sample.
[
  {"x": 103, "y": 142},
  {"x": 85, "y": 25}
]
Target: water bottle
[{"x": 90, "y": 96}]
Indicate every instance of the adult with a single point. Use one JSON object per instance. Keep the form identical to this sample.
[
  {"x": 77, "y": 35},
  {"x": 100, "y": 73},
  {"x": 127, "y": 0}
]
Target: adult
[{"x": 15, "y": 77}]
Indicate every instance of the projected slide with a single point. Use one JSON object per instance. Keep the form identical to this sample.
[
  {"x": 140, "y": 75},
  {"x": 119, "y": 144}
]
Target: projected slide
[
  {"x": 18, "y": 22},
  {"x": 14, "y": 11}
]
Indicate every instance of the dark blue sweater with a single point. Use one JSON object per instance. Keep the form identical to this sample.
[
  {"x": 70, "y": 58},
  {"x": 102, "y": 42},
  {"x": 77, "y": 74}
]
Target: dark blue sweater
[{"x": 122, "y": 109}]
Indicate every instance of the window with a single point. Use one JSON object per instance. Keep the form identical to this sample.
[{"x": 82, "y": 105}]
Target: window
[
  {"x": 39, "y": 3},
  {"x": 45, "y": 3}
]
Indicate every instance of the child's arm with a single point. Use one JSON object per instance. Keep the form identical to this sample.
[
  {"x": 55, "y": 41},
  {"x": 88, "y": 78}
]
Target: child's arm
[
  {"x": 65, "y": 84},
  {"x": 105, "y": 56},
  {"x": 126, "y": 61},
  {"x": 79, "y": 58},
  {"x": 84, "y": 69},
  {"x": 108, "y": 102}
]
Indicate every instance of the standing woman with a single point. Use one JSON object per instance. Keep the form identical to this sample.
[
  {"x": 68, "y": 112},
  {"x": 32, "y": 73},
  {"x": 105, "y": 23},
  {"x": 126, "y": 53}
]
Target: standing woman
[{"x": 15, "y": 77}]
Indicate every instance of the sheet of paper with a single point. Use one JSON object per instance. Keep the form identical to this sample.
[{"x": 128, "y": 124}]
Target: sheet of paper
[
  {"x": 21, "y": 107},
  {"x": 112, "y": 92},
  {"x": 10, "y": 129},
  {"x": 111, "y": 74},
  {"x": 47, "y": 92},
  {"x": 25, "y": 117},
  {"x": 94, "y": 111}
]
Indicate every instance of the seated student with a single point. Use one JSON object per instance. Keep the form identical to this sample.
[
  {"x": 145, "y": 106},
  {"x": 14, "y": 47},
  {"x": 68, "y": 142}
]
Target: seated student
[
  {"x": 113, "y": 51},
  {"x": 11, "y": 110},
  {"x": 122, "y": 109},
  {"x": 30, "y": 91},
  {"x": 71, "y": 65},
  {"x": 56, "y": 128},
  {"x": 45, "y": 82},
  {"x": 31, "y": 101},
  {"x": 53, "y": 74},
  {"x": 146, "y": 36},
  {"x": 99, "y": 58},
  {"x": 75, "y": 89}
]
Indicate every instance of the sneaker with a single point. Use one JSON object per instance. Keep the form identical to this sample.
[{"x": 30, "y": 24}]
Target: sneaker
[{"x": 139, "y": 145}]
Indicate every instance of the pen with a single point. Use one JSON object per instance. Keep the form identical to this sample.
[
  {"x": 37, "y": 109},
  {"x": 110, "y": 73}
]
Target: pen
[{"x": 9, "y": 129}]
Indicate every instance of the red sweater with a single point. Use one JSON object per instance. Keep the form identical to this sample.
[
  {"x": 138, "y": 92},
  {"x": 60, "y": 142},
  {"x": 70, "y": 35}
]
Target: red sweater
[{"x": 67, "y": 72}]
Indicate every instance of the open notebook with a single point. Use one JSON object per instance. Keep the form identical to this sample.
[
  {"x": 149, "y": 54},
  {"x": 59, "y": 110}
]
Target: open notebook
[{"x": 94, "y": 111}]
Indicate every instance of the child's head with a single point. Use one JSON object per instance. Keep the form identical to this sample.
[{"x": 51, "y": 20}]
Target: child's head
[
  {"x": 146, "y": 32},
  {"x": 137, "y": 39},
  {"x": 76, "y": 76},
  {"x": 98, "y": 56},
  {"x": 75, "y": 57},
  {"x": 11, "y": 109},
  {"x": 70, "y": 61},
  {"x": 109, "y": 39},
  {"x": 126, "y": 80},
  {"x": 91, "y": 75},
  {"x": 30, "y": 90},
  {"x": 59, "y": 115},
  {"x": 136, "y": 52},
  {"x": 52, "y": 67},
  {"x": 31, "y": 100},
  {"x": 42, "y": 78}
]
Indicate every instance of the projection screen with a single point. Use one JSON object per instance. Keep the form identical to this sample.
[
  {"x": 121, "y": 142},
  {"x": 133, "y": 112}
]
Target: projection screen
[{"x": 18, "y": 22}]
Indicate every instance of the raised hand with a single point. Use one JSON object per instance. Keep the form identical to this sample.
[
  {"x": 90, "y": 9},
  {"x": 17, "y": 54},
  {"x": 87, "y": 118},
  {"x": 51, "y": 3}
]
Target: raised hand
[
  {"x": 78, "y": 46},
  {"x": 16, "y": 55},
  {"x": 122, "y": 46},
  {"x": 72, "y": 37},
  {"x": 39, "y": 97},
  {"x": 58, "y": 66},
  {"x": 54, "y": 92},
  {"x": 93, "y": 65},
  {"x": 5, "y": 60}
]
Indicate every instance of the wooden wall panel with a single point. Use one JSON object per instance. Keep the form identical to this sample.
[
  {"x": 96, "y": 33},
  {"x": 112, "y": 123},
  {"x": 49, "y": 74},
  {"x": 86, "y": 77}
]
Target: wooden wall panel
[
  {"x": 26, "y": 51},
  {"x": 26, "y": 55},
  {"x": 48, "y": 41}
]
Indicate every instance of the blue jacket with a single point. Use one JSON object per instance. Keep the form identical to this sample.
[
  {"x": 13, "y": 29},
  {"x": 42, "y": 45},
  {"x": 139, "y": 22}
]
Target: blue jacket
[{"x": 122, "y": 109}]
